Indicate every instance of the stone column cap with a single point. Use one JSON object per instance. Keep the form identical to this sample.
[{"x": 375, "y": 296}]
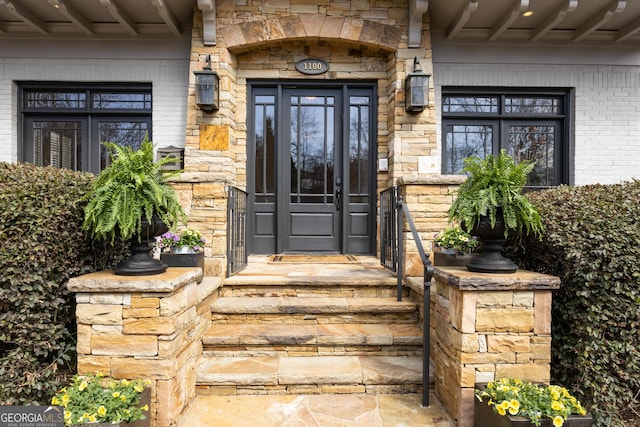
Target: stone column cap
[
  {"x": 432, "y": 179},
  {"x": 106, "y": 281},
  {"x": 463, "y": 279}
]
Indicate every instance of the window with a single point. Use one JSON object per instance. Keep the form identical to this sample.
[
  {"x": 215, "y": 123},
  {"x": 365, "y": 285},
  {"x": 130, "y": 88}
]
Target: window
[
  {"x": 527, "y": 124},
  {"x": 64, "y": 124}
]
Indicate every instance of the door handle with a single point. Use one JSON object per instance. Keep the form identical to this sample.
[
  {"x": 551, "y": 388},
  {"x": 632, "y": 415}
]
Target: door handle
[{"x": 338, "y": 194}]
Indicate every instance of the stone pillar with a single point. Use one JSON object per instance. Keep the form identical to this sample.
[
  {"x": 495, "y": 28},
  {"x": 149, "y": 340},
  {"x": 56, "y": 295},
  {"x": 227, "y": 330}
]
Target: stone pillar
[
  {"x": 145, "y": 327},
  {"x": 488, "y": 326},
  {"x": 428, "y": 198}
]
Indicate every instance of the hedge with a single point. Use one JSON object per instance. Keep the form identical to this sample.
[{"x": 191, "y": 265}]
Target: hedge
[
  {"x": 42, "y": 247},
  {"x": 592, "y": 242}
]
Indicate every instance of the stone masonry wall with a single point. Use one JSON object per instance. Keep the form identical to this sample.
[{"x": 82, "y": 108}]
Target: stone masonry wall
[
  {"x": 485, "y": 327},
  {"x": 145, "y": 327},
  {"x": 361, "y": 40},
  {"x": 428, "y": 198}
]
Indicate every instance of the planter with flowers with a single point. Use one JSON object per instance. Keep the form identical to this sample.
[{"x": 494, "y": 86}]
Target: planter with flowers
[
  {"x": 95, "y": 400},
  {"x": 184, "y": 249},
  {"x": 453, "y": 247},
  {"x": 512, "y": 402}
]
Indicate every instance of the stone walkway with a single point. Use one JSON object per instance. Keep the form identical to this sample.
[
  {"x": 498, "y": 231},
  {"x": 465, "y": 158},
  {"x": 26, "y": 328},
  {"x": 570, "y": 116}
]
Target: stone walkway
[{"x": 323, "y": 410}]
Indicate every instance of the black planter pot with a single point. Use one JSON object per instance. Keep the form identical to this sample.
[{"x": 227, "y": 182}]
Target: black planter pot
[
  {"x": 485, "y": 416},
  {"x": 489, "y": 258},
  {"x": 446, "y": 259},
  {"x": 141, "y": 263}
]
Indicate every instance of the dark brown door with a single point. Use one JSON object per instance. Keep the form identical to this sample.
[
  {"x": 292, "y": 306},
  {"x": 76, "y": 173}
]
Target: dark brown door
[{"x": 313, "y": 190}]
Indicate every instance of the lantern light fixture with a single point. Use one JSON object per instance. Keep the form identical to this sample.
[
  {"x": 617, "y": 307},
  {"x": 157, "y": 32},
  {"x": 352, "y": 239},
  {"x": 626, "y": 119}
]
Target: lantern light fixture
[
  {"x": 416, "y": 87},
  {"x": 207, "y": 87}
]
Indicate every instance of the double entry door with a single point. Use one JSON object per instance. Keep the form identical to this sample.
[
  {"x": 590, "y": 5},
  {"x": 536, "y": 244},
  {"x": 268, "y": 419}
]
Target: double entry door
[{"x": 311, "y": 185}]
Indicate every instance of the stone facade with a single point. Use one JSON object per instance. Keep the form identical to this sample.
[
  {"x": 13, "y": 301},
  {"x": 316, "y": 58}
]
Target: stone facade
[
  {"x": 485, "y": 327},
  {"x": 140, "y": 327},
  {"x": 428, "y": 198},
  {"x": 361, "y": 40}
]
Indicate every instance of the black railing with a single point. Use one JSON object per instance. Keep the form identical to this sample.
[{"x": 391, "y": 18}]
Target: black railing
[
  {"x": 393, "y": 212},
  {"x": 236, "y": 230},
  {"x": 388, "y": 229}
]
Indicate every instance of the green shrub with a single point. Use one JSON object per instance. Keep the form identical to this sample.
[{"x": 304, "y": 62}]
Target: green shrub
[
  {"x": 43, "y": 246},
  {"x": 592, "y": 242}
]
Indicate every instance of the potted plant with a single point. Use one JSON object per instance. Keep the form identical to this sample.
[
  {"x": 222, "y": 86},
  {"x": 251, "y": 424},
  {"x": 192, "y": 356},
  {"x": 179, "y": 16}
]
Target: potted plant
[
  {"x": 512, "y": 402},
  {"x": 453, "y": 247},
  {"x": 184, "y": 249},
  {"x": 490, "y": 204},
  {"x": 98, "y": 401},
  {"x": 132, "y": 201}
]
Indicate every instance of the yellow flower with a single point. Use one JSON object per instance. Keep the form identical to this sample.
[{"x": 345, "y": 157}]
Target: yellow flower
[
  {"x": 65, "y": 400},
  {"x": 557, "y": 406},
  {"x": 102, "y": 411},
  {"x": 514, "y": 406},
  {"x": 55, "y": 400},
  {"x": 116, "y": 394},
  {"x": 145, "y": 408},
  {"x": 125, "y": 382},
  {"x": 139, "y": 388},
  {"x": 501, "y": 410},
  {"x": 123, "y": 398},
  {"x": 67, "y": 415},
  {"x": 558, "y": 421},
  {"x": 93, "y": 418},
  {"x": 83, "y": 385}
]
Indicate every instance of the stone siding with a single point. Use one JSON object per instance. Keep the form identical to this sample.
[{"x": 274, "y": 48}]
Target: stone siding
[
  {"x": 361, "y": 40},
  {"x": 137, "y": 327},
  {"x": 485, "y": 327}
]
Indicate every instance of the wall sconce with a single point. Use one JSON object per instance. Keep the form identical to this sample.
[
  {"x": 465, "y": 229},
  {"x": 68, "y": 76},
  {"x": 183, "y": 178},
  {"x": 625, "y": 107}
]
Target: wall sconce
[
  {"x": 416, "y": 87},
  {"x": 207, "y": 84}
]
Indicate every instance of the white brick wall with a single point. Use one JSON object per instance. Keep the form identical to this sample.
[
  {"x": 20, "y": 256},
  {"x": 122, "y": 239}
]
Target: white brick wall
[
  {"x": 606, "y": 111},
  {"x": 169, "y": 79}
]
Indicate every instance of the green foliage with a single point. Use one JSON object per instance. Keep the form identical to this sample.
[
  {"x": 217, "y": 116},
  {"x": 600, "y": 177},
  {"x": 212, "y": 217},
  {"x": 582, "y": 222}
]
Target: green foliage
[
  {"x": 592, "y": 242},
  {"x": 43, "y": 246},
  {"x": 92, "y": 398},
  {"x": 133, "y": 187},
  {"x": 496, "y": 181},
  {"x": 522, "y": 398}
]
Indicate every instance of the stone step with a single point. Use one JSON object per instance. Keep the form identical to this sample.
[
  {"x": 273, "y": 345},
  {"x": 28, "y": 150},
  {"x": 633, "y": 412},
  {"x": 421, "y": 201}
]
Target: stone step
[
  {"x": 311, "y": 305},
  {"x": 315, "y": 339},
  {"x": 311, "y": 375}
]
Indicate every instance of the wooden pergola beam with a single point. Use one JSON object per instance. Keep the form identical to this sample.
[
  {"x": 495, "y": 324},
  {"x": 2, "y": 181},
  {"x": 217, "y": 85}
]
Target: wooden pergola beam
[
  {"x": 554, "y": 18},
  {"x": 599, "y": 19},
  {"x": 167, "y": 16},
  {"x": 417, "y": 10},
  {"x": 508, "y": 18},
  {"x": 462, "y": 17},
  {"x": 119, "y": 15},
  {"x": 73, "y": 15},
  {"x": 25, "y": 15}
]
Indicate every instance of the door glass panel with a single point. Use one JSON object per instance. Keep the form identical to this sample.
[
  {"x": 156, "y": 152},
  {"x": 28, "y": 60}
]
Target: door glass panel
[
  {"x": 462, "y": 141},
  {"x": 264, "y": 113},
  {"x": 123, "y": 133},
  {"x": 359, "y": 131},
  {"x": 534, "y": 143},
  {"x": 312, "y": 142},
  {"x": 57, "y": 144}
]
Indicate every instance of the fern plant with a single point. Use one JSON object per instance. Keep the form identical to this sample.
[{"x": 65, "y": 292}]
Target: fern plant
[
  {"x": 495, "y": 185},
  {"x": 132, "y": 188}
]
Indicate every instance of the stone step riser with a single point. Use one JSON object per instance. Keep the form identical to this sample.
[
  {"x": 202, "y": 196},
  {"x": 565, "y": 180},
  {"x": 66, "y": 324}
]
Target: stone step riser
[
  {"x": 316, "y": 319},
  {"x": 308, "y": 291},
  {"x": 297, "y": 389},
  {"x": 310, "y": 351}
]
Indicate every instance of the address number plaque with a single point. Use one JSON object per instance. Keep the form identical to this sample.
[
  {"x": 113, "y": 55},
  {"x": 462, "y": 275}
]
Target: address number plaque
[{"x": 312, "y": 66}]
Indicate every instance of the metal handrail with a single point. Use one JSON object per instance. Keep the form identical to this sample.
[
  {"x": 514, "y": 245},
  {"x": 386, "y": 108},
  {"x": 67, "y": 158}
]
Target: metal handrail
[
  {"x": 237, "y": 256},
  {"x": 401, "y": 212}
]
